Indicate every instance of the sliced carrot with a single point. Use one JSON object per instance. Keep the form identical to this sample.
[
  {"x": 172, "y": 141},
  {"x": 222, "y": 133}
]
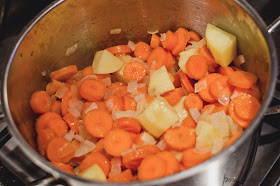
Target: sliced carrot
[
  {"x": 173, "y": 96},
  {"x": 205, "y": 94},
  {"x": 170, "y": 41},
  {"x": 92, "y": 90},
  {"x": 192, "y": 157},
  {"x": 119, "y": 89},
  {"x": 114, "y": 103},
  {"x": 155, "y": 41},
  {"x": 170, "y": 60},
  {"x": 142, "y": 50},
  {"x": 180, "y": 138},
  {"x": 226, "y": 71},
  {"x": 129, "y": 103},
  {"x": 60, "y": 150},
  {"x": 129, "y": 124},
  {"x": 87, "y": 71},
  {"x": 149, "y": 98},
  {"x": 193, "y": 101},
  {"x": 242, "y": 79},
  {"x": 43, "y": 138},
  {"x": 64, "y": 73},
  {"x": 56, "y": 107},
  {"x": 132, "y": 136},
  {"x": 143, "y": 90},
  {"x": 53, "y": 86},
  {"x": 186, "y": 82},
  {"x": 98, "y": 123},
  {"x": 206, "y": 54},
  {"x": 124, "y": 176},
  {"x": 194, "y": 36},
  {"x": 134, "y": 71},
  {"x": 117, "y": 141},
  {"x": 172, "y": 164},
  {"x": 151, "y": 168},
  {"x": 177, "y": 81},
  {"x": 189, "y": 122},
  {"x": 183, "y": 38},
  {"x": 42, "y": 121},
  {"x": 72, "y": 122},
  {"x": 99, "y": 146},
  {"x": 243, "y": 109},
  {"x": 254, "y": 91},
  {"x": 133, "y": 159},
  {"x": 65, "y": 167},
  {"x": 120, "y": 49},
  {"x": 40, "y": 102},
  {"x": 64, "y": 102},
  {"x": 138, "y": 140},
  {"x": 96, "y": 158},
  {"x": 196, "y": 67},
  {"x": 59, "y": 127},
  {"x": 101, "y": 105},
  {"x": 221, "y": 87},
  {"x": 233, "y": 138},
  {"x": 157, "y": 58}
]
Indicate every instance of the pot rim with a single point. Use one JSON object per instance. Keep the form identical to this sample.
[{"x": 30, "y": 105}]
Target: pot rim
[{"x": 46, "y": 166}]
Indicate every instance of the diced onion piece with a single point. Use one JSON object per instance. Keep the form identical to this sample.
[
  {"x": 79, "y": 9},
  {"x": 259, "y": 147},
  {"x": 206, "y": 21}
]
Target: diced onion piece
[
  {"x": 78, "y": 76},
  {"x": 126, "y": 151},
  {"x": 71, "y": 49},
  {"x": 152, "y": 32},
  {"x": 161, "y": 144},
  {"x": 177, "y": 124},
  {"x": 115, "y": 166},
  {"x": 120, "y": 114},
  {"x": 61, "y": 91},
  {"x": 132, "y": 86},
  {"x": 178, "y": 155},
  {"x": 108, "y": 94},
  {"x": 224, "y": 98},
  {"x": 234, "y": 95},
  {"x": 195, "y": 114},
  {"x": 106, "y": 81},
  {"x": 233, "y": 127},
  {"x": 91, "y": 107},
  {"x": 131, "y": 45},
  {"x": 199, "y": 86},
  {"x": 162, "y": 37},
  {"x": 207, "y": 113},
  {"x": 116, "y": 31},
  {"x": 44, "y": 73},
  {"x": 74, "y": 111},
  {"x": 70, "y": 135},
  {"x": 79, "y": 138},
  {"x": 139, "y": 97},
  {"x": 201, "y": 150},
  {"x": 148, "y": 139},
  {"x": 85, "y": 147},
  {"x": 141, "y": 85},
  {"x": 200, "y": 44},
  {"x": 238, "y": 60},
  {"x": 78, "y": 104},
  {"x": 89, "y": 77}
]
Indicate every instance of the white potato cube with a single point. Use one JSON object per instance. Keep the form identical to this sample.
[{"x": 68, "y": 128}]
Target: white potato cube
[{"x": 179, "y": 107}]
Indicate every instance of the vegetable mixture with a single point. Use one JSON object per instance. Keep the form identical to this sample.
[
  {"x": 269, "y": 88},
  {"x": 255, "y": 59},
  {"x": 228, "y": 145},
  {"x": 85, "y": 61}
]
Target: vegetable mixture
[{"x": 145, "y": 111}]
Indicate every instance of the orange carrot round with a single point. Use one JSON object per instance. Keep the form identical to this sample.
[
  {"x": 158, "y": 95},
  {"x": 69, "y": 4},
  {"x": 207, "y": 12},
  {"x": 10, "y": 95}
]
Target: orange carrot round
[
  {"x": 157, "y": 58},
  {"x": 96, "y": 158},
  {"x": 64, "y": 102},
  {"x": 117, "y": 141},
  {"x": 172, "y": 164},
  {"x": 180, "y": 138},
  {"x": 98, "y": 123},
  {"x": 226, "y": 71},
  {"x": 72, "y": 122},
  {"x": 170, "y": 41},
  {"x": 42, "y": 121},
  {"x": 151, "y": 168},
  {"x": 189, "y": 122},
  {"x": 142, "y": 50},
  {"x": 155, "y": 41},
  {"x": 56, "y": 107},
  {"x": 64, "y": 73},
  {"x": 60, "y": 150},
  {"x": 120, "y": 49},
  {"x": 87, "y": 71},
  {"x": 65, "y": 167},
  {"x": 129, "y": 124},
  {"x": 254, "y": 91},
  {"x": 124, "y": 176},
  {"x": 183, "y": 38},
  {"x": 186, "y": 82},
  {"x": 170, "y": 60},
  {"x": 114, "y": 103},
  {"x": 134, "y": 71},
  {"x": 119, "y": 89},
  {"x": 40, "y": 102},
  {"x": 129, "y": 103},
  {"x": 242, "y": 79},
  {"x": 43, "y": 138},
  {"x": 220, "y": 86},
  {"x": 194, "y": 36},
  {"x": 177, "y": 81},
  {"x": 59, "y": 127},
  {"x": 196, "y": 67},
  {"x": 193, "y": 101},
  {"x": 53, "y": 86},
  {"x": 206, "y": 54},
  {"x": 173, "y": 96},
  {"x": 92, "y": 90},
  {"x": 192, "y": 157}
]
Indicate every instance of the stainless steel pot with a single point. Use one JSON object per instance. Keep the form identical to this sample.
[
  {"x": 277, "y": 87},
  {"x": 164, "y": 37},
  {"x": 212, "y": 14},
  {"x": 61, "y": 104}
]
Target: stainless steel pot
[{"x": 43, "y": 43}]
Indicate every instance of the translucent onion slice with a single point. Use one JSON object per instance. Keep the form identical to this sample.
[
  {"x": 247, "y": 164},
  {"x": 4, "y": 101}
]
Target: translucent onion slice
[
  {"x": 234, "y": 95},
  {"x": 78, "y": 76},
  {"x": 139, "y": 98},
  {"x": 115, "y": 166},
  {"x": 108, "y": 94},
  {"x": 131, "y": 45},
  {"x": 126, "y": 151},
  {"x": 224, "y": 98},
  {"x": 89, "y": 77},
  {"x": 71, "y": 49},
  {"x": 162, "y": 37},
  {"x": 61, "y": 91},
  {"x": 78, "y": 104},
  {"x": 200, "y": 44},
  {"x": 74, "y": 111},
  {"x": 199, "y": 86},
  {"x": 178, "y": 155},
  {"x": 132, "y": 86},
  {"x": 85, "y": 147},
  {"x": 218, "y": 145},
  {"x": 121, "y": 114},
  {"x": 177, "y": 124},
  {"x": 141, "y": 85},
  {"x": 161, "y": 144},
  {"x": 79, "y": 138},
  {"x": 106, "y": 81},
  {"x": 148, "y": 139},
  {"x": 116, "y": 31},
  {"x": 152, "y": 32},
  {"x": 195, "y": 114},
  {"x": 70, "y": 135},
  {"x": 91, "y": 107}
]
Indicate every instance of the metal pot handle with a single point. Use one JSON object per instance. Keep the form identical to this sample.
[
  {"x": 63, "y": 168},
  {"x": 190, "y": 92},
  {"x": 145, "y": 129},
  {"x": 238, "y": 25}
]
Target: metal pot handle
[{"x": 274, "y": 26}]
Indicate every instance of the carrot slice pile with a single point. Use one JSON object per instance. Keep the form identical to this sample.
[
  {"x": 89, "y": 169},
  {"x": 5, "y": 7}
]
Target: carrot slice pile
[
  {"x": 242, "y": 79},
  {"x": 157, "y": 58},
  {"x": 129, "y": 124},
  {"x": 40, "y": 102},
  {"x": 155, "y": 41},
  {"x": 120, "y": 49},
  {"x": 196, "y": 67},
  {"x": 193, "y": 101},
  {"x": 92, "y": 90},
  {"x": 134, "y": 71},
  {"x": 183, "y": 38},
  {"x": 170, "y": 41},
  {"x": 142, "y": 50},
  {"x": 221, "y": 87},
  {"x": 186, "y": 82},
  {"x": 192, "y": 157}
]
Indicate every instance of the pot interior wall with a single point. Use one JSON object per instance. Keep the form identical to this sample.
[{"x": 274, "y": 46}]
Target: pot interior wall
[{"x": 88, "y": 23}]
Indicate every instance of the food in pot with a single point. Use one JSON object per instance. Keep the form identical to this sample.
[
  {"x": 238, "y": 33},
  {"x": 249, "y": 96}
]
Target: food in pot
[{"x": 145, "y": 111}]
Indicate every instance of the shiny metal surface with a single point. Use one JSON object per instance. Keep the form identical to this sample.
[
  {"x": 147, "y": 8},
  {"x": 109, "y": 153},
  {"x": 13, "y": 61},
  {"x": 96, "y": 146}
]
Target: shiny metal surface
[{"x": 43, "y": 45}]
